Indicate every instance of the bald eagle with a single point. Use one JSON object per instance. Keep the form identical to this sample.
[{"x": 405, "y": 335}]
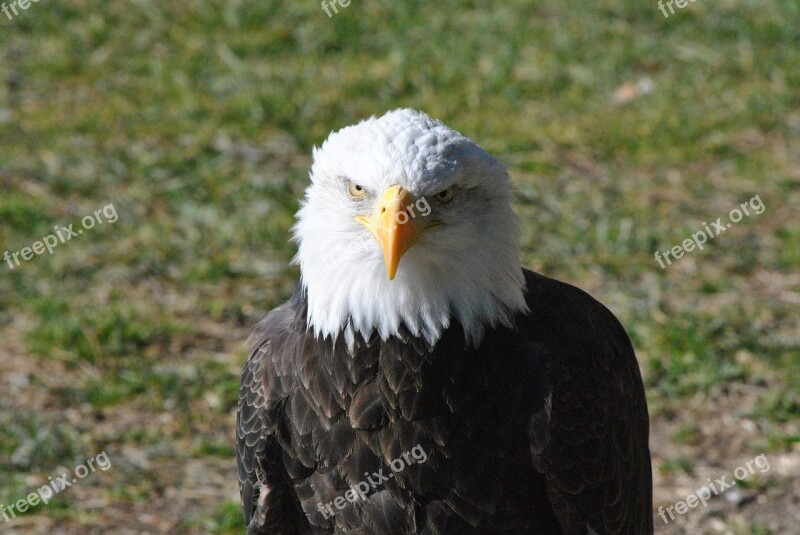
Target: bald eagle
[{"x": 419, "y": 381}]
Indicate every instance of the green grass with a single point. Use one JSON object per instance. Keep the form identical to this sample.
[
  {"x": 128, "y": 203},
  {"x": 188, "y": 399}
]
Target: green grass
[{"x": 197, "y": 119}]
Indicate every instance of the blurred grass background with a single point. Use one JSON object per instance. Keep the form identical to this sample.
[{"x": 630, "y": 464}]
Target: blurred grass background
[{"x": 623, "y": 131}]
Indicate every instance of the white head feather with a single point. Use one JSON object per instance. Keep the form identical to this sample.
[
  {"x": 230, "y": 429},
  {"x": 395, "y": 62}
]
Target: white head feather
[{"x": 463, "y": 269}]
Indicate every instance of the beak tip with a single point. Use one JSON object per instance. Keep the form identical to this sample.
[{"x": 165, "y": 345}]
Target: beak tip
[{"x": 395, "y": 234}]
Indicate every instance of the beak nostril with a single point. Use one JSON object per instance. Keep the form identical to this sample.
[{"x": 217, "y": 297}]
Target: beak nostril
[{"x": 383, "y": 209}]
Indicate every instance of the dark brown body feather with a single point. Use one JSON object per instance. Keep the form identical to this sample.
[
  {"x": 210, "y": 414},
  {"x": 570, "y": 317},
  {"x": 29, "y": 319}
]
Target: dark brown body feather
[{"x": 543, "y": 429}]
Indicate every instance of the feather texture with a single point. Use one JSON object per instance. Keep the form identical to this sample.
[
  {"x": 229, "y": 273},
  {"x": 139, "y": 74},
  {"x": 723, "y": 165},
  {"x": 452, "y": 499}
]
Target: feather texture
[{"x": 540, "y": 429}]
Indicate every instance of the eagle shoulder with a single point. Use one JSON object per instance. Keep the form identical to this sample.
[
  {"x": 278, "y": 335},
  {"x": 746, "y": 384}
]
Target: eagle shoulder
[
  {"x": 270, "y": 505},
  {"x": 588, "y": 432}
]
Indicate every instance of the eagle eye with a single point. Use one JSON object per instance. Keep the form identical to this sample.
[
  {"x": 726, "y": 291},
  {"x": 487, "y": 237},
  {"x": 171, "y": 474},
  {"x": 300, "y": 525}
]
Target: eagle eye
[
  {"x": 445, "y": 196},
  {"x": 356, "y": 191}
]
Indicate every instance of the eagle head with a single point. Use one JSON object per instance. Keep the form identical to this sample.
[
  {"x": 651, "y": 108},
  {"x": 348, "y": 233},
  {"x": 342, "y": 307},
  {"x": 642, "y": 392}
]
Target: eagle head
[{"x": 407, "y": 224}]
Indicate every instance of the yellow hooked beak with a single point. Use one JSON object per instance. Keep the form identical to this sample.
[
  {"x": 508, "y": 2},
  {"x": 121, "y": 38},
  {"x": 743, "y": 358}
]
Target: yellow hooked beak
[{"x": 392, "y": 225}]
